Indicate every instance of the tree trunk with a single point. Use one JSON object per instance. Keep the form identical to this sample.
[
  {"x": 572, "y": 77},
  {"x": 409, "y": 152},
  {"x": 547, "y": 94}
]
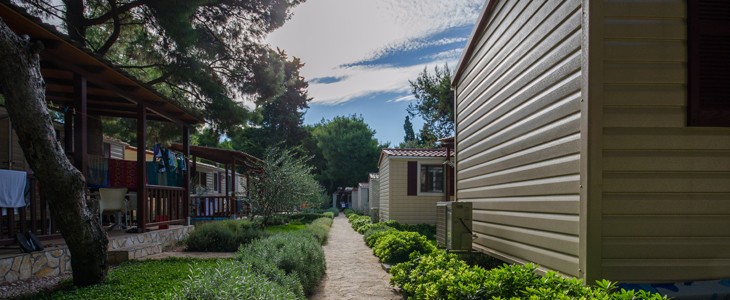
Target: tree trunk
[{"x": 62, "y": 183}]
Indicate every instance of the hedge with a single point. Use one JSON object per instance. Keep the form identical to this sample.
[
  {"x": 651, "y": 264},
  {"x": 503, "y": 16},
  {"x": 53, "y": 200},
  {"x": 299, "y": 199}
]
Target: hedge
[
  {"x": 395, "y": 247},
  {"x": 222, "y": 236}
]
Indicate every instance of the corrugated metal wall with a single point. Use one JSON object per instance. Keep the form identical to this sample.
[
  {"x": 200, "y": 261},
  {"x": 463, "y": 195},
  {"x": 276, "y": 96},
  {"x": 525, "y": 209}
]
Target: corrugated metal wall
[
  {"x": 666, "y": 187},
  {"x": 117, "y": 151},
  {"x": 384, "y": 171},
  {"x": 518, "y": 133}
]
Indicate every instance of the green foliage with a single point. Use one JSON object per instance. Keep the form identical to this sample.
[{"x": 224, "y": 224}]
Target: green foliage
[
  {"x": 320, "y": 229},
  {"x": 395, "y": 247},
  {"x": 349, "y": 148},
  {"x": 329, "y": 214},
  {"x": 375, "y": 229},
  {"x": 357, "y": 221},
  {"x": 307, "y": 218},
  {"x": 284, "y": 228},
  {"x": 434, "y": 103},
  {"x": 444, "y": 276},
  {"x": 408, "y": 127},
  {"x": 149, "y": 279},
  {"x": 480, "y": 259},
  {"x": 349, "y": 212},
  {"x": 230, "y": 280},
  {"x": 294, "y": 253},
  {"x": 286, "y": 182},
  {"x": 222, "y": 236}
]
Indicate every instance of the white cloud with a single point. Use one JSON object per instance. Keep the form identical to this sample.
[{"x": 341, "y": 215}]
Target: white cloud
[
  {"x": 404, "y": 98},
  {"x": 327, "y": 34}
]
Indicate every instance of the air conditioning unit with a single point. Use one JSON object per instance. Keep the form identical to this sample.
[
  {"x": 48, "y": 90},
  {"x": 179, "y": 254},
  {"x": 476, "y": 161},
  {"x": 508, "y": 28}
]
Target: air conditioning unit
[{"x": 453, "y": 225}]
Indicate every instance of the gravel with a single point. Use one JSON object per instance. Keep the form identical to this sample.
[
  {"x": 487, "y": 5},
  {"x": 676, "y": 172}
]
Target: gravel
[{"x": 27, "y": 287}]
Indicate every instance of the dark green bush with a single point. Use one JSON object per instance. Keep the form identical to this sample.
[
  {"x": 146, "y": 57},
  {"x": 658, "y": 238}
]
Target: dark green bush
[
  {"x": 319, "y": 229},
  {"x": 295, "y": 253},
  {"x": 329, "y": 214},
  {"x": 232, "y": 280},
  {"x": 333, "y": 210},
  {"x": 444, "y": 276},
  {"x": 359, "y": 221},
  {"x": 377, "y": 227},
  {"x": 427, "y": 230},
  {"x": 395, "y": 247},
  {"x": 480, "y": 259},
  {"x": 348, "y": 212},
  {"x": 222, "y": 236}
]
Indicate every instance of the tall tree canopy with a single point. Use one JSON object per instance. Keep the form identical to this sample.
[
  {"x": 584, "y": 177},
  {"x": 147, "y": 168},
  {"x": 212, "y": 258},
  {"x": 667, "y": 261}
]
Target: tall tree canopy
[
  {"x": 434, "y": 103},
  {"x": 408, "y": 128},
  {"x": 349, "y": 147},
  {"x": 205, "y": 53}
]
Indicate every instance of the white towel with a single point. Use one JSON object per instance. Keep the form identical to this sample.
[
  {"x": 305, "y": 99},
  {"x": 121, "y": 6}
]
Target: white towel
[{"x": 12, "y": 186}]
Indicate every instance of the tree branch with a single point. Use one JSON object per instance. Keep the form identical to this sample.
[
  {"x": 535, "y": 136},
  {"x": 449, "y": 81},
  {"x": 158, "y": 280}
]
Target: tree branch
[
  {"x": 117, "y": 30},
  {"x": 160, "y": 79},
  {"x": 142, "y": 67},
  {"x": 107, "y": 16}
]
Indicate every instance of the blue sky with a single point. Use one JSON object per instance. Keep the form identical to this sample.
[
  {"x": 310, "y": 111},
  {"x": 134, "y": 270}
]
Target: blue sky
[{"x": 360, "y": 54}]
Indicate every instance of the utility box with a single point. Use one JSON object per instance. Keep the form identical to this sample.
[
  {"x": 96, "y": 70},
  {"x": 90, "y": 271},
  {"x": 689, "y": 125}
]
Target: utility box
[
  {"x": 454, "y": 225},
  {"x": 374, "y": 217}
]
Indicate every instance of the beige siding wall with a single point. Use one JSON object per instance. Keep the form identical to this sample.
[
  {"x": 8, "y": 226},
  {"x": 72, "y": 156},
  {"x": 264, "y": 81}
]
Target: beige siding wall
[
  {"x": 374, "y": 194},
  {"x": 518, "y": 133},
  {"x": 384, "y": 190},
  {"x": 131, "y": 154},
  {"x": 404, "y": 208},
  {"x": 666, "y": 187}
]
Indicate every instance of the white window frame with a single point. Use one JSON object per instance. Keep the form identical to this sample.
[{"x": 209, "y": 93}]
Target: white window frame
[{"x": 428, "y": 163}]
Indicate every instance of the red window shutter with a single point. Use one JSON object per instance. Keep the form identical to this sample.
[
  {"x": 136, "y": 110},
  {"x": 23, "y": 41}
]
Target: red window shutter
[
  {"x": 412, "y": 178},
  {"x": 708, "y": 40}
]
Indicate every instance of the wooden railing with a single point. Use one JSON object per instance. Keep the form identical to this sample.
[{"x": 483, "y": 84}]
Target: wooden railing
[
  {"x": 164, "y": 205},
  {"x": 36, "y": 217},
  {"x": 212, "y": 206}
]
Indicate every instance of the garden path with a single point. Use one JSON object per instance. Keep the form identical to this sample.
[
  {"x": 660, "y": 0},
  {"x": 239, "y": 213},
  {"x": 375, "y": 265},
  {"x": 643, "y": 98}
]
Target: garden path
[{"x": 353, "y": 272}]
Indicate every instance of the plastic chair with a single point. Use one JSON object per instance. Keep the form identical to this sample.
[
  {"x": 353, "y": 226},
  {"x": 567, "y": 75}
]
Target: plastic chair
[{"x": 112, "y": 199}]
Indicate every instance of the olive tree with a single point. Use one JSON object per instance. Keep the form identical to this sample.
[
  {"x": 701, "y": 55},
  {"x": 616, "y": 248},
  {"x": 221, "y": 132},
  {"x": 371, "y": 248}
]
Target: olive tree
[{"x": 284, "y": 183}]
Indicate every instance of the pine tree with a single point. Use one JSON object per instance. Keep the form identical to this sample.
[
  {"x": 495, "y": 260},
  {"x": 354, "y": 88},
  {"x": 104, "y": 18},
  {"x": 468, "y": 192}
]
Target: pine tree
[{"x": 408, "y": 127}]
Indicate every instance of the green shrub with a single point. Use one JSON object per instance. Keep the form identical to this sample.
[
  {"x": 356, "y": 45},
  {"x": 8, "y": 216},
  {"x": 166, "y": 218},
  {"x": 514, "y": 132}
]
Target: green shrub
[
  {"x": 359, "y": 221},
  {"x": 480, "y": 259},
  {"x": 372, "y": 238},
  {"x": 373, "y": 228},
  {"x": 334, "y": 210},
  {"x": 294, "y": 253},
  {"x": 444, "y": 276},
  {"x": 397, "y": 246},
  {"x": 329, "y": 214},
  {"x": 231, "y": 280},
  {"x": 319, "y": 229},
  {"x": 284, "y": 228},
  {"x": 427, "y": 230},
  {"x": 222, "y": 236},
  {"x": 348, "y": 212}
]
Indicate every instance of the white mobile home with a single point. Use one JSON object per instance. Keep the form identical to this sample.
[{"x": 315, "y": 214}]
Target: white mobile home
[{"x": 592, "y": 137}]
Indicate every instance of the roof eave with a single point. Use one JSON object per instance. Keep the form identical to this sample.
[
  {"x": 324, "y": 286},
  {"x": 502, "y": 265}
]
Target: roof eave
[{"x": 473, "y": 39}]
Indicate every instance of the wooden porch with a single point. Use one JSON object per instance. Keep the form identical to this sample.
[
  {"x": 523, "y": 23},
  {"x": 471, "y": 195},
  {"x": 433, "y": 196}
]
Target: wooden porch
[{"x": 81, "y": 86}]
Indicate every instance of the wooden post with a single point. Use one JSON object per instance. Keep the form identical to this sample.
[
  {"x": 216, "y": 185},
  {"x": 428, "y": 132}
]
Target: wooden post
[
  {"x": 233, "y": 185},
  {"x": 80, "y": 125},
  {"x": 142, "y": 209},
  {"x": 186, "y": 177}
]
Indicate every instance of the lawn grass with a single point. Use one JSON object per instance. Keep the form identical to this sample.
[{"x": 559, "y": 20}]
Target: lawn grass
[
  {"x": 283, "y": 228},
  {"x": 149, "y": 279}
]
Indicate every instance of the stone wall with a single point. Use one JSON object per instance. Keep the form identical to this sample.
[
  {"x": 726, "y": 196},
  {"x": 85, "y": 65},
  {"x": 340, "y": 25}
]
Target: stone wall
[{"x": 54, "y": 261}]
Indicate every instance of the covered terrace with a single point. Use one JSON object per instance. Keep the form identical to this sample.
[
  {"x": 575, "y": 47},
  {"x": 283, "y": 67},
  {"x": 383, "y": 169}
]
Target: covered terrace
[
  {"x": 79, "y": 85},
  {"x": 204, "y": 207}
]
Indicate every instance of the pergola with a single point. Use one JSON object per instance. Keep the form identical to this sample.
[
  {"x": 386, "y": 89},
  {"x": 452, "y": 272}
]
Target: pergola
[
  {"x": 84, "y": 84},
  {"x": 229, "y": 158}
]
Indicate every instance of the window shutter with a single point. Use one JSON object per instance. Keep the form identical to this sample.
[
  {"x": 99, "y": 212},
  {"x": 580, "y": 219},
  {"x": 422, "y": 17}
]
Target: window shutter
[
  {"x": 412, "y": 178},
  {"x": 708, "y": 39},
  {"x": 451, "y": 178}
]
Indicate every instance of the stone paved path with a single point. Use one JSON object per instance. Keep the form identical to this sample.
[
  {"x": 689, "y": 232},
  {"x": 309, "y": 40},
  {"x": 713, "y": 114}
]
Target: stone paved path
[{"x": 353, "y": 272}]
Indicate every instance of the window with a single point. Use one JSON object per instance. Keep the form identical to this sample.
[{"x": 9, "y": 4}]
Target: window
[
  {"x": 432, "y": 178},
  {"x": 216, "y": 177},
  {"x": 708, "y": 40},
  {"x": 203, "y": 179}
]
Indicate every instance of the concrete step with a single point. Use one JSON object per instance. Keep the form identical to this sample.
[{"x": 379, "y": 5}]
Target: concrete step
[{"x": 117, "y": 256}]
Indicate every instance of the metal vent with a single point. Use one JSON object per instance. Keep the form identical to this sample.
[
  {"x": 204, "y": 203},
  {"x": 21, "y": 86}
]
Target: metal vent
[{"x": 441, "y": 224}]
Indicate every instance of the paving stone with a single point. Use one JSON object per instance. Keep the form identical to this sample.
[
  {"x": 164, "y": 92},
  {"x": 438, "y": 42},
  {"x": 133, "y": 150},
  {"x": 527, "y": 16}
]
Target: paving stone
[{"x": 353, "y": 272}]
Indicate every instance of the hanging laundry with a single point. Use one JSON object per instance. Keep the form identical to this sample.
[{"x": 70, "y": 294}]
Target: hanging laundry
[
  {"x": 98, "y": 171},
  {"x": 12, "y": 186},
  {"x": 152, "y": 174}
]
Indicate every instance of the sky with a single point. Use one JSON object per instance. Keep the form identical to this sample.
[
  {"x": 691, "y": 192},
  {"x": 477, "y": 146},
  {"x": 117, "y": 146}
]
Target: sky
[{"x": 360, "y": 54}]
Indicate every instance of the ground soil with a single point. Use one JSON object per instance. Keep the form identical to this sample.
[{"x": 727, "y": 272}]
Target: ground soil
[{"x": 353, "y": 272}]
